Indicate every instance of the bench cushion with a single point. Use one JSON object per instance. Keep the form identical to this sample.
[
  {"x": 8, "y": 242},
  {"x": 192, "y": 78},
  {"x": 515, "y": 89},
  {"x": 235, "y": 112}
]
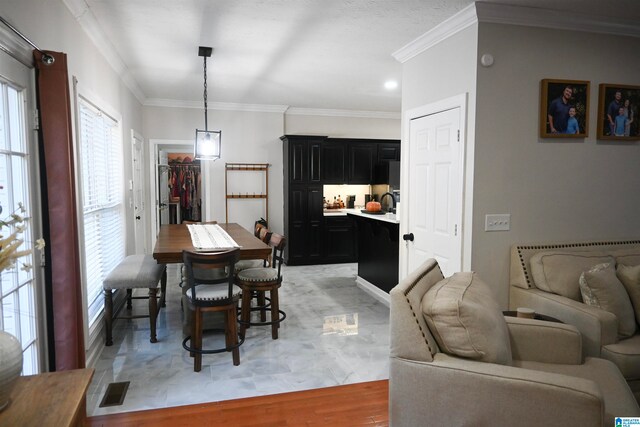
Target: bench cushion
[{"x": 135, "y": 271}]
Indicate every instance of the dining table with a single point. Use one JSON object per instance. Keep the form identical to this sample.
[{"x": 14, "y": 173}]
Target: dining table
[{"x": 174, "y": 238}]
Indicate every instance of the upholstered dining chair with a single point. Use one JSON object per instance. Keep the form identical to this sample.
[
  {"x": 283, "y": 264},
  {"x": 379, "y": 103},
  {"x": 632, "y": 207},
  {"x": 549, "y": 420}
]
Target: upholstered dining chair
[
  {"x": 258, "y": 281},
  {"x": 211, "y": 288}
]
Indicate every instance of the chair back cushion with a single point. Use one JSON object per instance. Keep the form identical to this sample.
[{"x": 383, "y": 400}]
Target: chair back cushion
[
  {"x": 600, "y": 287},
  {"x": 465, "y": 319},
  {"x": 559, "y": 272}
]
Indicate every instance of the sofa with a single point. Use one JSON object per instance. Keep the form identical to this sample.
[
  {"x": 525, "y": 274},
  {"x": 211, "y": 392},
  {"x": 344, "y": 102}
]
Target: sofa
[
  {"x": 514, "y": 371},
  {"x": 546, "y": 278}
]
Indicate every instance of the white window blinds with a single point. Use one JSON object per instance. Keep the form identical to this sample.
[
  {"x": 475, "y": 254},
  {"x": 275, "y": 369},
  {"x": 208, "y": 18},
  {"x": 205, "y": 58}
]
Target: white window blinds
[{"x": 102, "y": 201}]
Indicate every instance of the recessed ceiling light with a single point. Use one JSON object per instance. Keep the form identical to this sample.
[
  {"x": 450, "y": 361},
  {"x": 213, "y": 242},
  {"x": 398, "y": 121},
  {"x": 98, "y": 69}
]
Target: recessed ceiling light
[{"x": 390, "y": 84}]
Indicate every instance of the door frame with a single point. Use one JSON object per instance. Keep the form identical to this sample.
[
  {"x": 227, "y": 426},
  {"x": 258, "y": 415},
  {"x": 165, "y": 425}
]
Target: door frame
[
  {"x": 466, "y": 167},
  {"x": 140, "y": 247},
  {"x": 169, "y": 145}
]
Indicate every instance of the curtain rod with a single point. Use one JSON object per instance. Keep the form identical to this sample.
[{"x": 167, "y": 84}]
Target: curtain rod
[{"x": 46, "y": 58}]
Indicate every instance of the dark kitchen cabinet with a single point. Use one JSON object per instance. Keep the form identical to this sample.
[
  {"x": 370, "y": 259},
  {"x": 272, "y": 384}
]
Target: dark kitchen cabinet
[
  {"x": 309, "y": 162},
  {"x": 361, "y": 161},
  {"x": 304, "y": 160},
  {"x": 388, "y": 152},
  {"x": 340, "y": 239},
  {"x": 333, "y": 164},
  {"x": 304, "y": 226},
  {"x": 303, "y": 219}
]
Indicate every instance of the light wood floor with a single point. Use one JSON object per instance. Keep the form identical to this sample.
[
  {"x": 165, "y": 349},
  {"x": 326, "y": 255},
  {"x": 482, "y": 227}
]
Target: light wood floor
[{"x": 362, "y": 404}]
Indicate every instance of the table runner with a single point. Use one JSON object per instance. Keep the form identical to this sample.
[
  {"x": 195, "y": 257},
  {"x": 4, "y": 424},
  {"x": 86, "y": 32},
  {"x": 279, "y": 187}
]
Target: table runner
[{"x": 210, "y": 237}]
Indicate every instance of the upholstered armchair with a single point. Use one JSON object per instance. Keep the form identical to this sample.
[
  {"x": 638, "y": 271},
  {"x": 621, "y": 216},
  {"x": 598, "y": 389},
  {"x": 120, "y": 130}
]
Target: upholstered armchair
[{"x": 512, "y": 371}]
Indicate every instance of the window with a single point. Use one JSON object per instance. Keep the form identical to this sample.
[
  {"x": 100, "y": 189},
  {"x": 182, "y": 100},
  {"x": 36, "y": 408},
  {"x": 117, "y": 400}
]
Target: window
[
  {"x": 102, "y": 201},
  {"x": 18, "y": 309}
]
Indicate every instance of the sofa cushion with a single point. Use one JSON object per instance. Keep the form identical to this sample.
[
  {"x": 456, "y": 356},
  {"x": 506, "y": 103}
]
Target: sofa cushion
[
  {"x": 466, "y": 321},
  {"x": 630, "y": 278},
  {"x": 600, "y": 287},
  {"x": 558, "y": 271},
  {"x": 626, "y": 355}
]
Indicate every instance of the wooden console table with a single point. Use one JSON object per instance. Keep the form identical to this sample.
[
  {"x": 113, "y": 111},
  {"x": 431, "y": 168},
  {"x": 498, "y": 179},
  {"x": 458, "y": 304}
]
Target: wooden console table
[{"x": 51, "y": 399}]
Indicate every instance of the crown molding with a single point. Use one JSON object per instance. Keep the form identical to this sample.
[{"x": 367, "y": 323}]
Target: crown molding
[
  {"x": 554, "y": 19},
  {"x": 224, "y": 106},
  {"x": 494, "y": 13},
  {"x": 458, "y": 22},
  {"x": 83, "y": 15},
  {"x": 297, "y": 111}
]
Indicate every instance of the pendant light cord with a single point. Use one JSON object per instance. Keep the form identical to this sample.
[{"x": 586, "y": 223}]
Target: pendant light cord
[{"x": 206, "y": 127}]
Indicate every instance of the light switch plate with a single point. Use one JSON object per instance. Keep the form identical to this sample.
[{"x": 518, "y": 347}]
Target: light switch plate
[{"x": 497, "y": 222}]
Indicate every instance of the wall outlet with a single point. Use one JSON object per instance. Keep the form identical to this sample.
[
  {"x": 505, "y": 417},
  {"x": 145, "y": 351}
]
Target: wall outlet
[{"x": 497, "y": 222}]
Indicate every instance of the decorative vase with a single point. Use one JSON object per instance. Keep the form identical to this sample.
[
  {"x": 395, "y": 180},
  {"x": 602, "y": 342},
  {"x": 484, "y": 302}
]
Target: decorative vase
[{"x": 10, "y": 366}]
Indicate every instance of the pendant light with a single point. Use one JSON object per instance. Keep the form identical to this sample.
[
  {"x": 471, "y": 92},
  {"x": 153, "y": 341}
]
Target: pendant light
[{"x": 207, "y": 145}]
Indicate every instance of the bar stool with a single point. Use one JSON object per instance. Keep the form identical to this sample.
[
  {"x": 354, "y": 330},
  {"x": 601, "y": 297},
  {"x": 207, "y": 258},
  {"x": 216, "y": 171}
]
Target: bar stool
[
  {"x": 210, "y": 277},
  {"x": 262, "y": 280}
]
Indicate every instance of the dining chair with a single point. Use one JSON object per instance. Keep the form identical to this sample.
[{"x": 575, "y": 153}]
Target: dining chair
[
  {"x": 211, "y": 288},
  {"x": 261, "y": 280}
]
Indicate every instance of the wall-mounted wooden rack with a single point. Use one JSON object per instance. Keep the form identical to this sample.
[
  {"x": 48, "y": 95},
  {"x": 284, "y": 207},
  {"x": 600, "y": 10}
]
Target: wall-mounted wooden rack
[{"x": 246, "y": 167}]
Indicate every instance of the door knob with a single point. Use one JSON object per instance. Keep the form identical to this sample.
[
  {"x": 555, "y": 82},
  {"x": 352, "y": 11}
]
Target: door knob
[
  {"x": 138, "y": 217},
  {"x": 408, "y": 237}
]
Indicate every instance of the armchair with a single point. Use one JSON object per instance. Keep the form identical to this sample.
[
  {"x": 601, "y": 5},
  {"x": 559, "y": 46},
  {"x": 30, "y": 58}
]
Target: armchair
[{"x": 547, "y": 383}]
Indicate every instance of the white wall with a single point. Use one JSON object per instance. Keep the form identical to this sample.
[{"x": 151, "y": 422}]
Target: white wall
[
  {"x": 443, "y": 71},
  {"x": 555, "y": 189},
  {"x": 247, "y": 137},
  {"x": 342, "y": 127},
  {"x": 50, "y": 25}
]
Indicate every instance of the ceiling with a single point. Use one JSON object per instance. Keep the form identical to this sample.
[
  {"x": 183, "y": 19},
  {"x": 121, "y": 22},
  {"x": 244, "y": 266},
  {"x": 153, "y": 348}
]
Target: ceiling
[{"x": 314, "y": 54}]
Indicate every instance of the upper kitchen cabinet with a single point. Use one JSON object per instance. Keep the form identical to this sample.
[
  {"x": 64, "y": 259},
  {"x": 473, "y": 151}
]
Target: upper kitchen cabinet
[
  {"x": 333, "y": 165},
  {"x": 303, "y": 154},
  {"x": 361, "y": 161},
  {"x": 388, "y": 151}
]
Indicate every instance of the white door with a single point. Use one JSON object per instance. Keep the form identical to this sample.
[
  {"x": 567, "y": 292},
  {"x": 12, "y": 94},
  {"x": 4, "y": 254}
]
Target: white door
[
  {"x": 21, "y": 288},
  {"x": 163, "y": 189},
  {"x": 435, "y": 191},
  {"x": 139, "y": 196}
]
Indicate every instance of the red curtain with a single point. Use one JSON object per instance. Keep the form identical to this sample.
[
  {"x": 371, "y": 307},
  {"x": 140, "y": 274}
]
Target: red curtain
[{"x": 56, "y": 135}]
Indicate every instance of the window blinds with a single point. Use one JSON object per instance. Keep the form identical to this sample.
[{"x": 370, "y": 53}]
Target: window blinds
[{"x": 102, "y": 201}]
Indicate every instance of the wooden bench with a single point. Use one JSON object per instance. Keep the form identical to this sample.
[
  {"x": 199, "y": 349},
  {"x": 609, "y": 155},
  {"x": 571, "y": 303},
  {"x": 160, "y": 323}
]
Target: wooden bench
[{"x": 135, "y": 271}]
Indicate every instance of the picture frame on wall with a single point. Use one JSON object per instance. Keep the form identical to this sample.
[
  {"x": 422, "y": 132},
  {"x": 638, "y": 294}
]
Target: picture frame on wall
[
  {"x": 564, "y": 108},
  {"x": 618, "y": 109}
]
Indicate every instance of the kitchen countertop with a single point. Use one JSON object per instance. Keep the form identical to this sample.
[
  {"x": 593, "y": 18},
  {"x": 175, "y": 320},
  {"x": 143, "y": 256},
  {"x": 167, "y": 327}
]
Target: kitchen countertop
[{"x": 388, "y": 217}]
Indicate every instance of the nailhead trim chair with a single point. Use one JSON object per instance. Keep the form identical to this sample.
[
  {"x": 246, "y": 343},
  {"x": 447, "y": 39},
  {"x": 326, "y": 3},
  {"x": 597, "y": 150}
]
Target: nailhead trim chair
[
  {"x": 260, "y": 281},
  {"x": 210, "y": 280}
]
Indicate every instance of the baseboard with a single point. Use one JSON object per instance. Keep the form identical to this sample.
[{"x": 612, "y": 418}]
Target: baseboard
[{"x": 373, "y": 290}]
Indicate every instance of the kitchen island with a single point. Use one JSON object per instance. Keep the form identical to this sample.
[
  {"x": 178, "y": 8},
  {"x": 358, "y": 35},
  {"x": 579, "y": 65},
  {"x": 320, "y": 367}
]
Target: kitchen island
[{"x": 378, "y": 251}]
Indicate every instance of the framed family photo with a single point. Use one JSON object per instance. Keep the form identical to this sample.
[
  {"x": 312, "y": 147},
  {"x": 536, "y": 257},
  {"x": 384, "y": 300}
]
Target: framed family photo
[
  {"x": 618, "y": 112},
  {"x": 564, "y": 108}
]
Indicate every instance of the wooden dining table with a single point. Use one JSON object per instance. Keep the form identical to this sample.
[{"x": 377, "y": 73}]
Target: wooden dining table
[{"x": 174, "y": 238}]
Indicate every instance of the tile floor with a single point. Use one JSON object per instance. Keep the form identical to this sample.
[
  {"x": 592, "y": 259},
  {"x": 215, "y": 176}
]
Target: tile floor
[{"x": 334, "y": 333}]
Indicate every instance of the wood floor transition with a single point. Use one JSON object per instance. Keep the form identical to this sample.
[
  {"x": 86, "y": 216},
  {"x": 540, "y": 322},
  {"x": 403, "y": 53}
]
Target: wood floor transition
[{"x": 362, "y": 404}]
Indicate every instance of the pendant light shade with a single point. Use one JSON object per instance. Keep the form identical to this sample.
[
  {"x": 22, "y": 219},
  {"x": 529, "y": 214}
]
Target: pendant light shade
[{"x": 208, "y": 142}]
